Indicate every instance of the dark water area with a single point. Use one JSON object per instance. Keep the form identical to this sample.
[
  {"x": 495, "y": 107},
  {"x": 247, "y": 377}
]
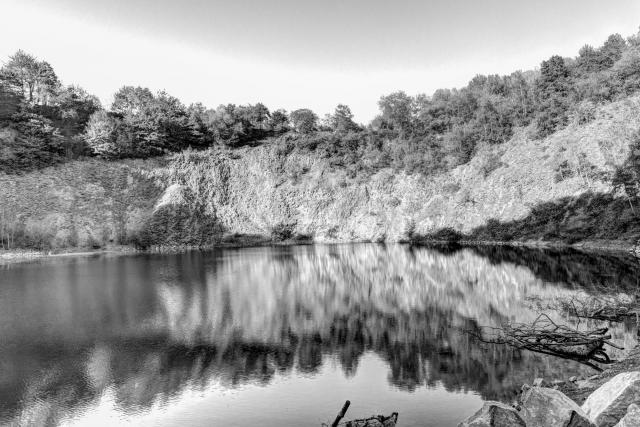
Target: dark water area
[{"x": 284, "y": 335}]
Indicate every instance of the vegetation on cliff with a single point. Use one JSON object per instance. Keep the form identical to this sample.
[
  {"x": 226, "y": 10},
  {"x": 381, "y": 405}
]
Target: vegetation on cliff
[{"x": 546, "y": 154}]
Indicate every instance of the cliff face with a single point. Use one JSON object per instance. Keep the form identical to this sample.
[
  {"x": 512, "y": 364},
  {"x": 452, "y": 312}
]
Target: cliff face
[
  {"x": 196, "y": 197},
  {"x": 88, "y": 203}
]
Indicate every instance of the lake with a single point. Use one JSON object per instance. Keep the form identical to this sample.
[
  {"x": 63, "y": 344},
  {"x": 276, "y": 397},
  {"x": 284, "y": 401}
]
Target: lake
[{"x": 284, "y": 335}]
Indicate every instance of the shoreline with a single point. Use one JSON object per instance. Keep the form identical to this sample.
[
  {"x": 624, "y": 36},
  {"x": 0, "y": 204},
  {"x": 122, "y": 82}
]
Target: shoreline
[
  {"x": 590, "y": 246},
  {"x": 12, "y": 256}
]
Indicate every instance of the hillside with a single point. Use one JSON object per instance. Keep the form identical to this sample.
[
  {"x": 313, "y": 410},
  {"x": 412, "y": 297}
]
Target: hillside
[{"x": 558, "y": 188}]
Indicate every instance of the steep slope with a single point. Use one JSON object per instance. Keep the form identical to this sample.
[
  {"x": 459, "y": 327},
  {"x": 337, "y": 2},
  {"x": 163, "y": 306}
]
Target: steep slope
[{"x": 196, "y": 197}]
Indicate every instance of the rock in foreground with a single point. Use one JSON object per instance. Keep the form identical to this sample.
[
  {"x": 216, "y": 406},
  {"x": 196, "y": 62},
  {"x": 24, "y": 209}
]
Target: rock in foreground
[
  {"x": 494, "y": 414},
  {"x": 632, "y": 419},
  {"x": 609, "y": 403},
  {"x": 547, "y": 407}
]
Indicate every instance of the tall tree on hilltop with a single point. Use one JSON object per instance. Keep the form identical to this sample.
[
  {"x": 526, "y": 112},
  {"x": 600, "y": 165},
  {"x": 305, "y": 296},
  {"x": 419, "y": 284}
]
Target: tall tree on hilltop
[
  {"x": 397, "y": 110},
  {"x": 34, "y": 80},
  {"x": 279, "y": 121},
  {"x": 342, "y": 119},
  {"x": 588, "y": 60},
  {"x": 303, "y": 120},
  {"x": 612, "y": 50}
]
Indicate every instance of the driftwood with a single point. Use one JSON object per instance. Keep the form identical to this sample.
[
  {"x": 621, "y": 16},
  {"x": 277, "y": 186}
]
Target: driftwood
[
  {"x": 341, "y": 414},
  {"x": 375, "y": 421},
  {"x": 545, "y": 336}
]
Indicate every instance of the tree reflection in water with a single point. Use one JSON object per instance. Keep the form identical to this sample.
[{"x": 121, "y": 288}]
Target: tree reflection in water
[{"x": 149, "y": 327}]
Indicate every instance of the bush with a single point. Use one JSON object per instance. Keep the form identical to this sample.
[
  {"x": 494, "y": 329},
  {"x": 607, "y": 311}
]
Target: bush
[{"x": 282, "y": 231}]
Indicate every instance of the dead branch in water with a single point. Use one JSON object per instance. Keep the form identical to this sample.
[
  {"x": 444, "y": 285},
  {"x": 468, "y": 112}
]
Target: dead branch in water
[
  {"x": 341, "y": 414},
  {"x": 374, "y": 421},
  {"x": 547, "y": 337}
]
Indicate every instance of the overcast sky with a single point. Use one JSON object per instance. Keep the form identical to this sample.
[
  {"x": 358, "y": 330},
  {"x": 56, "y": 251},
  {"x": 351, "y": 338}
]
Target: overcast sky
[{"x": 296, "y": 53}]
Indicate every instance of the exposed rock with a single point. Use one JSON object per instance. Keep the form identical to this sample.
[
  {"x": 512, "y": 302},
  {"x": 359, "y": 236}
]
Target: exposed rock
[
  {"x": 609, "y": 403},
  {"x": 538, "y": 382},
  {"x": 573, "y": 379},
  {"x": 494, "y": 414},
  {"x": 254, "y": 189},
  {"x": 584, "y": 384},
  {"x": 632, "y": 418},
  {"x": 548, "y": 407}
]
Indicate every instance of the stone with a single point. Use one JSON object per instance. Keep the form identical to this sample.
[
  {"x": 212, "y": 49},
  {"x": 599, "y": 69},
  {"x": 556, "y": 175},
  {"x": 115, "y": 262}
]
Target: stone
[
  {"x": 585, "y": 384},
  {"x": 494, "y": 414},
  {"x": 608, "y": 403},
  {"x": 632, "y": 418},
  {"x": 538, "y": 382},
  {"x": 541, "y": 406},
  {"x": 594, "y": 377},
  {"x": 573, "y": 379}
]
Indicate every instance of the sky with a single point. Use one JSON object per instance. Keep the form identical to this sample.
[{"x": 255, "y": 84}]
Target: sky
[{"x": 297, "y": 53}]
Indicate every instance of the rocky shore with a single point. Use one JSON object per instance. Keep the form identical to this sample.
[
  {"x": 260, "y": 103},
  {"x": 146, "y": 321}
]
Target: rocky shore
[{"x": 608, "y": 399}]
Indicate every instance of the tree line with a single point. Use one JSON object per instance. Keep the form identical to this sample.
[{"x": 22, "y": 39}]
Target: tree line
[{"x": 43, "y": 122}]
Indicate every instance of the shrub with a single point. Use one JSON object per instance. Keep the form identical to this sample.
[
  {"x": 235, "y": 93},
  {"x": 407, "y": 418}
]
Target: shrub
[{"x": 282, "y": 231}]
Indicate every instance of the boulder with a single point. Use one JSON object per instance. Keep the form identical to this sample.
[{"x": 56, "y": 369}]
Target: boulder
[
  {"x": 541, "y": 406},
  {"x": 632, "y": 418},
  {"x": 608, "y": 403},
  {"x": 494, "y": 414}
]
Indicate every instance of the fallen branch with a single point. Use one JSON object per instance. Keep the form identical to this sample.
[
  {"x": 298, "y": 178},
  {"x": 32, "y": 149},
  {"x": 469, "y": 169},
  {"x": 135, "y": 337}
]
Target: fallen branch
[
  {"x": 341, "y": 414},
  {"x": 545, "y": 336},
  {"x": 374, "y": 421}
]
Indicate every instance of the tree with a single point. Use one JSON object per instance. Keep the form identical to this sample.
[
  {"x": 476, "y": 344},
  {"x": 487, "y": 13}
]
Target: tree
[
  {"x": 69, "y": 111},
  {"x": 9, "y": 103},
  {"x": 494, "y": 127},
  {"x": 303, "y": 120},
  {"x": 521, "y": 97},
  {"x": 100, "y": 135},
  {"x": 397, "y": 110},
  {"x": 553, "y": 89},
  {"x": 612, "y": 50},
  {"x": 34, "y": 80},
  {"x": 157, "y": 124},
  {"x": 627, "y": 70},
  {"x": 342, "y": 120},
  {"x": 198, "y": 117},
  {"x": 130, "y": 101},
  {"x": 35, "y": 144},
  {"x": 236, "y": 125},
  {"x": 74, "y": 107},
  {"x": 279, "y": 122},
  {"x": 588, "y": 61}
]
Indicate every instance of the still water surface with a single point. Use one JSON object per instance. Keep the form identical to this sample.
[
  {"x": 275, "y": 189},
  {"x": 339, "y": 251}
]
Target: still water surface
[{"x": 284, "y": 335}]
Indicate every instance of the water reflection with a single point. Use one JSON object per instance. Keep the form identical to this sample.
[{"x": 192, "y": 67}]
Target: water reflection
[{"x": 148, "y": 330}]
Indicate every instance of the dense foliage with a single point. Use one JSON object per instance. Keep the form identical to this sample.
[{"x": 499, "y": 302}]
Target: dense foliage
[{"x": 43, "y": 122}]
